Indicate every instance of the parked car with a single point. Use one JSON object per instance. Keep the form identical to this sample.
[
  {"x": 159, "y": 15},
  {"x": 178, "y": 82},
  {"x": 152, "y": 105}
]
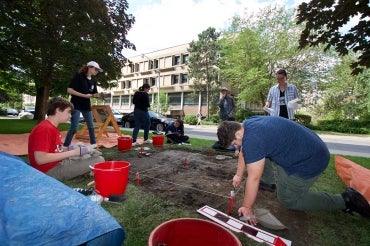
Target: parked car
[
  {"x": 25, "y": 115},
  {"x": 158, "y": 122},
  {"x": 12, "y": 111},
  {"x": 30, "y": 109},
  {"x": 117, "y": 115}
]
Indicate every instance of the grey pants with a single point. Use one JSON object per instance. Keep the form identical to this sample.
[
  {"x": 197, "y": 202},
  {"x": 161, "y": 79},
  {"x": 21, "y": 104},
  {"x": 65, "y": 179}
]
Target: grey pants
[
  {"x": 293, "y": 192},
  {"x": 72, "y": 167}
]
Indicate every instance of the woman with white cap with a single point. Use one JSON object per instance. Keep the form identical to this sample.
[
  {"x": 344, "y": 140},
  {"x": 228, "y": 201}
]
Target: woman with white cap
[{"x": 82, "y": 88}]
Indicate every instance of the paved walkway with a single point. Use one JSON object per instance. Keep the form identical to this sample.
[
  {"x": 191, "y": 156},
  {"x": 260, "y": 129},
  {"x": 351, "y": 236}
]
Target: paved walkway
[{"x": 354, "y": 145}]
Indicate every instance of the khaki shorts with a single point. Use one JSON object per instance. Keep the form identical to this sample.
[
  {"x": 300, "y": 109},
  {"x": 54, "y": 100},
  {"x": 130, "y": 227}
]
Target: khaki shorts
[{"x": 72, "y": 167}]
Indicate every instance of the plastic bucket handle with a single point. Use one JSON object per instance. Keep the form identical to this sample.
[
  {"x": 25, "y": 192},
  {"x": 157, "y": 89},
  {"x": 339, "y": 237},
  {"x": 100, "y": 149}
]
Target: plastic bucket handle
[{"x": 106, "y": 170}]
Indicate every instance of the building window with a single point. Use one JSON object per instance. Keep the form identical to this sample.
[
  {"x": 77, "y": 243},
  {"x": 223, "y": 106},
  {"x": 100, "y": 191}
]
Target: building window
[
  {"x": 185, "y": 58},
  {"x": 125, "y": 100},
  {"x": 131, "y": 67},
  {"x": 146, "y": 81},
  {"x": 191, "y": 98},
  {"x": 123, "y": 84},
  {"x": 174, "y": 98},
  {"x": 107, "y": 99},
  {"x": 184, "y": 78},
  {"x": 152, "y": 81},
  {"x": 115, "y": 101},
  {"x": 128, "y": 83},
  {"x": 156, "y": 63},
  {"x": 151, "y": 64},
  {"x": 176, "y": 60},
  {"x": 137, "y": 67},
  {"x": 175, "y": 79}
]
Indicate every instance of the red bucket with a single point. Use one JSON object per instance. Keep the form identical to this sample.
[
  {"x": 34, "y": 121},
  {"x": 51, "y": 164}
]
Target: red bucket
[
  {"x": 158, "y": 140},
  {"x": 124, "y": 143},
  {"x": 111, "y": 177},
  {"x": 192, "y": 231}
]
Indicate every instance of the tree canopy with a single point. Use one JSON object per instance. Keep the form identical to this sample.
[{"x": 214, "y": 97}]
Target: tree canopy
[
  {"x": 203, "y": 62},
  {"x": 45, "y": 42},
  {"x": 325, "y": 23},
  {"x": 256, "y": 47}
]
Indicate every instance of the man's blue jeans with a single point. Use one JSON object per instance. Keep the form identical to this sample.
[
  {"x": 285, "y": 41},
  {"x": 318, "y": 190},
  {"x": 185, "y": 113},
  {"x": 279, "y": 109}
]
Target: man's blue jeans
[
  {"x": 142, "y": 118},
  {"x": 75, "y": 120},
  {"x": 295, "y": 193}
]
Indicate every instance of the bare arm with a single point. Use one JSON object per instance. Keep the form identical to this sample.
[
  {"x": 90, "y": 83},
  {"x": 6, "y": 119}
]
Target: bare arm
[
  {"x": 255, "y": 171},
  {"x": 76, "y": 93},
  {"x": 239, "y": 170},
  {"x": 42, "y": 157}
]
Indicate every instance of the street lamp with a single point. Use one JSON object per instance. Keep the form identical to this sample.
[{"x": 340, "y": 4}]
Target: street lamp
[{"x": 158, "y": 72}]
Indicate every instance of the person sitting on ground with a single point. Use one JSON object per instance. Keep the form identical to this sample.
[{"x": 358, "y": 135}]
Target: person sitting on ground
[
  {"x": 282, "y": 155},
  {"x": 45, "y": 147},
  {"x": 175, "y": 133}
]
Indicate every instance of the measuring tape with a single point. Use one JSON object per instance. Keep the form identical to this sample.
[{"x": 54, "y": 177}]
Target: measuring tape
[{"x": 239, "y": 226}]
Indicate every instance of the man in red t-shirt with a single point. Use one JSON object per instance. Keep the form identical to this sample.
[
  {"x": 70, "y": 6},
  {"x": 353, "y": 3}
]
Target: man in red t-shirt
[{"x": 45, "y": 147}]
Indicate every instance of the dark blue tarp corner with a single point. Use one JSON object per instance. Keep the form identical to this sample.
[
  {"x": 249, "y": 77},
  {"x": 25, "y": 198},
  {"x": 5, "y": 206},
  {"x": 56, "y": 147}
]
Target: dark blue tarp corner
[{"x": 36, "y": 209}]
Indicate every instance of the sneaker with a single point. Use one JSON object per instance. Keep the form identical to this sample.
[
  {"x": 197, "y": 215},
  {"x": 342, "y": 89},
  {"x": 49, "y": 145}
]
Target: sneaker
[
  {"x": 148, "y": 141},
  {"x": 268, "y": 187},
  {"x": 135, "y": 143},
  {"x": 355, "y": 202}
]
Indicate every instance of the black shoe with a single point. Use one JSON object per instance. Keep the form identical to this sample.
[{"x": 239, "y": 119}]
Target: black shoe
[
  {"x": 85, "y": 192},
  {"x": 268, "y": 187},
  {"x": 355, "y": 202}
]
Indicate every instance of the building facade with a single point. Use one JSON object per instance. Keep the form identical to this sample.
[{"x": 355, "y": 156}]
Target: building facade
[{"x": 167, "y": 73}]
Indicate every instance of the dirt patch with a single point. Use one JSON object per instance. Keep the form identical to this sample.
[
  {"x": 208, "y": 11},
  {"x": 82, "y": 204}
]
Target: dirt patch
[{"x": 194, "y": 179}]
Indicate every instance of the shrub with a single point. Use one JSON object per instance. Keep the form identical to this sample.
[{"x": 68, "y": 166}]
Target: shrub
[
  {"x": 243, "y": 114},
  {"x": 190, "y": 119},
  {"x": 214, "y": 118},
  {"x": 345, "y": 126},
  {"x": 3, "y": 111},
  {"x": 303, "y": 119}
]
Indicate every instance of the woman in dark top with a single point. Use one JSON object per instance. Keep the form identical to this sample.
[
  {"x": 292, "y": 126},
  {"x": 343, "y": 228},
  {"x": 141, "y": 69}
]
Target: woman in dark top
[
  {"x": 82, "y": 88},
  {"x": 142, "y": 118}
]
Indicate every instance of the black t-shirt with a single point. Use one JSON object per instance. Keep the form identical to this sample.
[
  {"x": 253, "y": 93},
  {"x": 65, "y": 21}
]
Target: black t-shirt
[
  {"x": 283, "y": 108},
  {"x": 82, "y": 84},
  {"x": 141, "y": 100}
]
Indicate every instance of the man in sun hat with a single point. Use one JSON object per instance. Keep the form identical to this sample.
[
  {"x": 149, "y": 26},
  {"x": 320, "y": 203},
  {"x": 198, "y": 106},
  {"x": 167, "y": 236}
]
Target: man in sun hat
[{"x": 226, "y": 105}]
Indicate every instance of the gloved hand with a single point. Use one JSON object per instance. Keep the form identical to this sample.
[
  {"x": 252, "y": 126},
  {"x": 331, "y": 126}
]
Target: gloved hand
[
  {"x": 71, "y": 147},
  {"x": 84, "y": 150}
]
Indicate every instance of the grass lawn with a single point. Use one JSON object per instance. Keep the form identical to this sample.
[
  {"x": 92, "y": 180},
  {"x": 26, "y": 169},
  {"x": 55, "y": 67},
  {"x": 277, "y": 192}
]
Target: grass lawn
[{"x": 142, "y": 212}]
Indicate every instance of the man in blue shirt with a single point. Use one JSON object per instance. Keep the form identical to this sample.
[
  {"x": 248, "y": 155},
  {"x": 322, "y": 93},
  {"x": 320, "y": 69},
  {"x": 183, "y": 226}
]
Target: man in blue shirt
[{"x": 298, "y": 156}]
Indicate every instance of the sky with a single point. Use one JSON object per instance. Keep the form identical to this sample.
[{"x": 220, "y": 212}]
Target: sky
[{"x": 162, "y": 24}]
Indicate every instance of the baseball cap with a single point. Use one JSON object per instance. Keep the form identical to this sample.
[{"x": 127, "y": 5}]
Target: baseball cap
[
  {"x": 94, "y": 64},
  {"x": 224, "y": 89}
]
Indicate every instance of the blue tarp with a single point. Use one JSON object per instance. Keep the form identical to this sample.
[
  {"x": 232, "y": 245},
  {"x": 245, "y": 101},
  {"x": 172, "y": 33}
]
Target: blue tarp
[{"x": 36, "y": 209}]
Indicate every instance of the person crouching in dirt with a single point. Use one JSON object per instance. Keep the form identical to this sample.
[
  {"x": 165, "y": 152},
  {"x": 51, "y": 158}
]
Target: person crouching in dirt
[
  {"x": 297, "y": 156},
  {"x": 175, "y": 133}
]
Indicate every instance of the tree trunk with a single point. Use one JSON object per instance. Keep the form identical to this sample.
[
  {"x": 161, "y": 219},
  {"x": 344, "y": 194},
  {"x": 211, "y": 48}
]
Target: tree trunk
[{"x": 42, "y": 97}]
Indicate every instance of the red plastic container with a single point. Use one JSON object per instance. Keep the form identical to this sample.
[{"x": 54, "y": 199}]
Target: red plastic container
[
  {"x": 192, "y": 231},
  {"x": 158, "y": 140},
  {"x": 124, "y": 143},
  {"x": 111, "y": 177}
]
